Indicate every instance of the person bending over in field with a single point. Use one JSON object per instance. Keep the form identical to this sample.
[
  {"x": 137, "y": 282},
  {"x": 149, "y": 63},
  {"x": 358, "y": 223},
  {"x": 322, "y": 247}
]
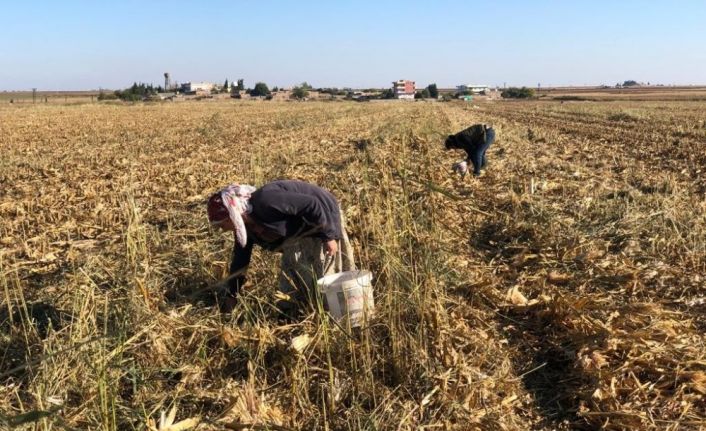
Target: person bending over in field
[
  {"x": 300, "y": 220},
  {"x": 475, "y": 141}
]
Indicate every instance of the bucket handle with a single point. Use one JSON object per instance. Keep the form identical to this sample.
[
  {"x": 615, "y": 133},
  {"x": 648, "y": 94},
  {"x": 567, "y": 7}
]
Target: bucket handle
[{"x": 328, "y": 265}]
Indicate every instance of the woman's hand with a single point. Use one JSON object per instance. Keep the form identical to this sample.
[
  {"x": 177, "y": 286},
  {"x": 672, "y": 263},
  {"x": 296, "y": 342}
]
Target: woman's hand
[{"x": 331, "y": 247}]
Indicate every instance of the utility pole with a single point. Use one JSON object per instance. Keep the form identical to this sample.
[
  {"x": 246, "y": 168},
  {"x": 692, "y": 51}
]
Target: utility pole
[{"x": 34, "y": 95}]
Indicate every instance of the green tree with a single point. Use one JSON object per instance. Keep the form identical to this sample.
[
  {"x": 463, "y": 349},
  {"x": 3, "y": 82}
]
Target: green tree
[
  {"x": 241, "y": 86},
  {"x": 136, "y": 92},
  {"x": 225, "y": 86},
  {"x": 301, "y": 91},
  {"x": 424, "y": 94},
  {"x": 260, "y": 90},
  {"x": 433, "y": 91},
  {"x": 517, "y": 93}
]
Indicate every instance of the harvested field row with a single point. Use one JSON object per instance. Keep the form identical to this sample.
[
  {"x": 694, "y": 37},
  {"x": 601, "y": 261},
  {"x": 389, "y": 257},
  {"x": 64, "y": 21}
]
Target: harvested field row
[
  {"x": 593, "y": 220},
  {"x": 645, "y": 94},
  {"x": 656, "y": 145}
]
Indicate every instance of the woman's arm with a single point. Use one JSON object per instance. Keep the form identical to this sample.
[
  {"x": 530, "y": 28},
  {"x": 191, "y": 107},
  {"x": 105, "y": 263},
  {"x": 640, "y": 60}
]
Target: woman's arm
[{"x": 239, "y": 263}]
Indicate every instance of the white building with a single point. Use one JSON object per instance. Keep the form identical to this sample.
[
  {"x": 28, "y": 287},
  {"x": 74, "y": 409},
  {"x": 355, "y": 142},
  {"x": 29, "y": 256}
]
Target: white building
[
  {"x": 197, "y": 87},
  {"x": 474, "y": 89}
]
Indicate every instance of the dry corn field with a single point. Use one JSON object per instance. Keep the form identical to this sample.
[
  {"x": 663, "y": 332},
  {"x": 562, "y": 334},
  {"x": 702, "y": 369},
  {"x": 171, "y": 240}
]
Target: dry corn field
[{"x": 563, "y": 289}]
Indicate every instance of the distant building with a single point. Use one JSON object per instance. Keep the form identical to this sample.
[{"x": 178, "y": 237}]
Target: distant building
[
  {"x": 403, "y": 89},
  {"x": 473, "y": 89},
  {"x": 197, "y": 87}
]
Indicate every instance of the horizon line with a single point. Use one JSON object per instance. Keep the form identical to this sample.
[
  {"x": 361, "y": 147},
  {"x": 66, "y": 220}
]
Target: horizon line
[{"x": 541, "y": 87}]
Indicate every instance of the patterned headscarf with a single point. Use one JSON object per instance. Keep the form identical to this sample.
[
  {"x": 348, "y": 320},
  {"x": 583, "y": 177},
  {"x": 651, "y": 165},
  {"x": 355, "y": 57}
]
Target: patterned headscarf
[{"x": 232, "y": 202}]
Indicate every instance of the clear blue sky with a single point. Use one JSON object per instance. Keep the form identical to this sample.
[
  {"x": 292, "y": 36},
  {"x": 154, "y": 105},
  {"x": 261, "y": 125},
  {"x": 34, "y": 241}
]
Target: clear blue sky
[{"x": 68, "y": 45}]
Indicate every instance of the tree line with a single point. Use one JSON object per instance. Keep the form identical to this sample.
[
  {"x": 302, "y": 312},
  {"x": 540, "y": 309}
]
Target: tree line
[{"x": 141, "y": 91}]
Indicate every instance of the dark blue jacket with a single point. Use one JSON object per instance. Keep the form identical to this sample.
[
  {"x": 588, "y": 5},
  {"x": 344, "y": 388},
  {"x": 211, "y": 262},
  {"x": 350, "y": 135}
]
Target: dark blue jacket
[
  {"x": 287, "y": 209},
  {"x": 475, "y": 141}
]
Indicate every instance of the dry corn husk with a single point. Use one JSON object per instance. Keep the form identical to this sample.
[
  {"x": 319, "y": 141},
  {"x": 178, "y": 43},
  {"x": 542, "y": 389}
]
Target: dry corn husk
[{"x": 166, "y": 422}]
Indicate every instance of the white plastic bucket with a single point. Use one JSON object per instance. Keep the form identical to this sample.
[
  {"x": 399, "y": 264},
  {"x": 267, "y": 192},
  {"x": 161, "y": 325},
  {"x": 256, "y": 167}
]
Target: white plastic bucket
[
  {"x": 348, "y": 296},
  {"x": 461, "y": 167}
]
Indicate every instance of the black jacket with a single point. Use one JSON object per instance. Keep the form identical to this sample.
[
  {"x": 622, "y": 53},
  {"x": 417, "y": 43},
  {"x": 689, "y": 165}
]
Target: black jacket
[
  {"x": 287, "y": 209},
  {"x": 468, "y": 140}
]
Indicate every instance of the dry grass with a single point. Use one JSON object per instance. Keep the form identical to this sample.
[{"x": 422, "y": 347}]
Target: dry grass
[{"x": 562, "y": 290}]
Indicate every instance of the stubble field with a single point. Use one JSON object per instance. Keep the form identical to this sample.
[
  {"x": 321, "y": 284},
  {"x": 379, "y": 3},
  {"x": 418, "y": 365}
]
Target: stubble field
[{"x": 564, "y": 289}]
